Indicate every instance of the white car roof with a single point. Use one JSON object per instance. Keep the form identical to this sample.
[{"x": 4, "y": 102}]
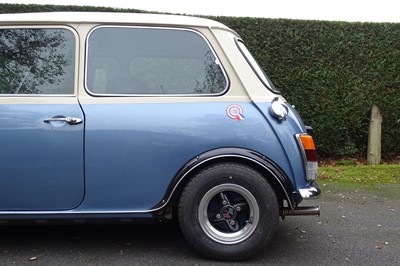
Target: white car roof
[{"x": 108, "y": 17}]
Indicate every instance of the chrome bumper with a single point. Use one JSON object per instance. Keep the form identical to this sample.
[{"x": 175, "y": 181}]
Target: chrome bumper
[{"x": 311, "y": 192}]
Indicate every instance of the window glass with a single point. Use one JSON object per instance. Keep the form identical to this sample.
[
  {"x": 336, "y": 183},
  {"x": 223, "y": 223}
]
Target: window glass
[
  {"x": 37, "y": 61},
  {"x": 256, "y": 67},
  {"x": 129, "y": 60}
]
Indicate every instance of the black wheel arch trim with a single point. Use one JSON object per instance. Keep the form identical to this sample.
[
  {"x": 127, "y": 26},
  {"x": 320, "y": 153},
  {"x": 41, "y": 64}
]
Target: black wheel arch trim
[{"x": 231, "y": 153}]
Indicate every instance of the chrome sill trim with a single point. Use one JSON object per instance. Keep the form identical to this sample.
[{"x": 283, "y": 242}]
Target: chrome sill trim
[{"x": 72, "y": 212}]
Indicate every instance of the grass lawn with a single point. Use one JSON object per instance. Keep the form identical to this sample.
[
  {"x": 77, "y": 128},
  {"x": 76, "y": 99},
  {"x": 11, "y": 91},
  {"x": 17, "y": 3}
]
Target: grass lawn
[
  {"x": 374, "y": 178},
  {"x": 388, "y": 174}
]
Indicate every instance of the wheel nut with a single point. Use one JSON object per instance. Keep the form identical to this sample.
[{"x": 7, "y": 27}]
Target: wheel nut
[
  {"x": 218, "y": 216},
  {"x": 232, "y": 222},
  {"x": 238, "y": 208},
  {"x": 224, "y": 202}
]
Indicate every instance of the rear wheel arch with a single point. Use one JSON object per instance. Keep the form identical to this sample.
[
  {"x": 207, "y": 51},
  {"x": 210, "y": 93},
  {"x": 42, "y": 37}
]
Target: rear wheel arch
[{"x": 280, "y": 183}]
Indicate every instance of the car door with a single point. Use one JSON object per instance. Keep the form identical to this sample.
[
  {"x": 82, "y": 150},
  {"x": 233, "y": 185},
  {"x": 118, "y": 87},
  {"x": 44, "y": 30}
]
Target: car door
[{"x": 41, "y": 122}]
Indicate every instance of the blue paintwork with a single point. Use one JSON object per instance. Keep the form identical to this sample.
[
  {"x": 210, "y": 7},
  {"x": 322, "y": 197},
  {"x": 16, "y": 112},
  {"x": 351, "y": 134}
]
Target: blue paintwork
[
  {"x": 41, "y": 164},
  {"x": 286, "y": 130},
  {"x": 132, "y": 151}
]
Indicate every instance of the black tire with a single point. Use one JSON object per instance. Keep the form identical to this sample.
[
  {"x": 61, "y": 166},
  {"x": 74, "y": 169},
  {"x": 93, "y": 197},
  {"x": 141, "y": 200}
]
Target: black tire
[{"x": 228, "y": 212}]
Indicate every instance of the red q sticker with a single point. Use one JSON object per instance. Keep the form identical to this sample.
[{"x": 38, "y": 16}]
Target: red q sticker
[{"x": 235, "y": 112}]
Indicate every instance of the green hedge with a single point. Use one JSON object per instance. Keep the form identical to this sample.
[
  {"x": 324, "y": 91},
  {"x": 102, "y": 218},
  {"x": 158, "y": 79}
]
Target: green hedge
[
  {"x": 20, "y": 8},
  {"x": 333, "y": 72}
]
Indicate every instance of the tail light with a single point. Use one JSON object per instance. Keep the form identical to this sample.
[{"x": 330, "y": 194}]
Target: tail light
[{"x": 307, "y": 147}]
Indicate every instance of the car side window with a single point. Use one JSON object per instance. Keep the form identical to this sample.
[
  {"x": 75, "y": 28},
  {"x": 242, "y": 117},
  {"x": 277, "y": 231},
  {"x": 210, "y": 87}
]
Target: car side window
[
  {"x": 37, "y": 61},
  {"x": 138, "y": 60}
]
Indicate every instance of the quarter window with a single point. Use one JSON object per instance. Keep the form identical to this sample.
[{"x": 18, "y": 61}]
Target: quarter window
[
  {"x": 131, "y": 60},
  {"x": 37, "y": 61},
  {"x": 255, "y": 66}
]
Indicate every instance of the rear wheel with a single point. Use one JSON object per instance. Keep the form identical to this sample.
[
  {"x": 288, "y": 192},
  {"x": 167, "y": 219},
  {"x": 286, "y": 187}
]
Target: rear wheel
[{"x": 228, "y": 212}]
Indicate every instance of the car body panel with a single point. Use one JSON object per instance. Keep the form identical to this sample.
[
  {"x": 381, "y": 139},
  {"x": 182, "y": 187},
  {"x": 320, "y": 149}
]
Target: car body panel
[
  {"x": 41, "y": 164},
  {"x": 134, "y": 151}
]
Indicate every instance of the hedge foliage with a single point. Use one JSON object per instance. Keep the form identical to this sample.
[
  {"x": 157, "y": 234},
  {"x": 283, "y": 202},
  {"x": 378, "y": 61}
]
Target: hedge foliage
[{"x": 333, "y": 72}]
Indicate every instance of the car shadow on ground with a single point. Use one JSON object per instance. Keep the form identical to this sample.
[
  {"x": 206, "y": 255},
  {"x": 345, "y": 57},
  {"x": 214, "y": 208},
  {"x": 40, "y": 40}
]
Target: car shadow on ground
[{"x": 120, "y": 243}]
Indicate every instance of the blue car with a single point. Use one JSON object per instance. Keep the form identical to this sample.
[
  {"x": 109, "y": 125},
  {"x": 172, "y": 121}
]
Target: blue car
[{"x": 148, "y": 117}]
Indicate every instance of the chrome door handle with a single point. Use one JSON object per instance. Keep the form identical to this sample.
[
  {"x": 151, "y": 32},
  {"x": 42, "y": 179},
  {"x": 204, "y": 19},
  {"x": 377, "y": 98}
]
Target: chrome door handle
[{"x": 68, "y": 119}]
